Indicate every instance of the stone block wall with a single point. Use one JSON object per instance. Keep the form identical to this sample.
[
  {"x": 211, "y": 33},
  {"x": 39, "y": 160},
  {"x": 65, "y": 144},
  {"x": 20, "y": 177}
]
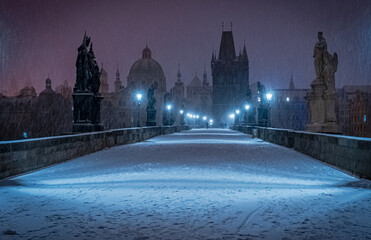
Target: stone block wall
[
  {"x": 351, "y": 154},
  {"x": 21, "y": 156}
]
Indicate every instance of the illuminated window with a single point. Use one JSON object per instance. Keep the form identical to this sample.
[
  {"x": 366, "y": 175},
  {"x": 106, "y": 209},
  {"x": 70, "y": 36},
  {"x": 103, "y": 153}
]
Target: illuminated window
[{"x": 364, "y": 118}]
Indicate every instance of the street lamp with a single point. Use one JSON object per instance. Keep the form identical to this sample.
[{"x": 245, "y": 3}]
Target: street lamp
[
  {"x": 181, "y": 112},
  {"x": 168, "y": 107},
  {"x": 287, "y": 99},
  {"x": 237, "y": 119},
  {"x": 247, "y": 107},
  {"x": 139, "y": 99},
  {"x": 269, "y": 96}
]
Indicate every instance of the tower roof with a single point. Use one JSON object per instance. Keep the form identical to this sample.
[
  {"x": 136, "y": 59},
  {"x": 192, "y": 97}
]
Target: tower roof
[
  {"x": 227, "y": 51},
  {"x": 196, "y": 82}
]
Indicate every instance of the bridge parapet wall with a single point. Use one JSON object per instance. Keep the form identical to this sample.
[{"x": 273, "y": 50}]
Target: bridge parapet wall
[
  {"x": 22, "y": 156},
  {"x": 351, "y": 154}
]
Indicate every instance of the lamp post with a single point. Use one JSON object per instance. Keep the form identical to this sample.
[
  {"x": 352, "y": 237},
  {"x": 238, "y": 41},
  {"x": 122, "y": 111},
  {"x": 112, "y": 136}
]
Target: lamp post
[
  {"x": 211, "y": 121},
  {"x": 232, "y": 117},
  {"x": 237, "y": 119},
  {"x": 247, "y": 107},
  {"x": 269, "y": 98},
  {"x": 139, "y": 99},
  {"x": 181, "y": 112},
  {"x": 204, "y": 118},
  {"x": 168, "y": 108}
]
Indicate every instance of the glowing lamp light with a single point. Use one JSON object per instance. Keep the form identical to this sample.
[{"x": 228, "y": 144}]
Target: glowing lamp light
[
  {"x": 211, "y": 121},
  {"x": 25, "y": 135},
  {"x": 247, "y": 106},
  {"x": 204, "y": 118},
  {"x": 259, "y": 99},
  {"x": 269, "y": 96},
  {"x": 181, "y": 111},
  {"x": 139, "y": 96},
  {"x": 237, "y": 111},
  {"x": 232, "y": 116},
  {"x": 287, "y": 99},
  {"x": 197, "y": 116},
  {"x": 168, "y": 107}
]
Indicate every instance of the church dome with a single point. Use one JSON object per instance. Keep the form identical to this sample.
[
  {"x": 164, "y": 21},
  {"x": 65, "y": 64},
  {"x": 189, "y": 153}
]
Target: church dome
[
  {"x": 146, "y": 65},
  {"x": 148, "y": 71},
  {"x": 48, "y": 88}
]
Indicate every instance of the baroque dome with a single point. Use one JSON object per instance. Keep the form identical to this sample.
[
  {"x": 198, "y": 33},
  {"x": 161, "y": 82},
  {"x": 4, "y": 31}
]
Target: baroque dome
[
  {"x": 146, "y": 72},
  {"x": 146, "y": 66}
]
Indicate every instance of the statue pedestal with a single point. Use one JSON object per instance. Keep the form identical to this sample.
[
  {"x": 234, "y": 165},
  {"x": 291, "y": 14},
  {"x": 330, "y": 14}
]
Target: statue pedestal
[
  {"x": 86, "y": 111},
  {"x": 322, "y": 108},
  {"x": 151, "y": 117}
]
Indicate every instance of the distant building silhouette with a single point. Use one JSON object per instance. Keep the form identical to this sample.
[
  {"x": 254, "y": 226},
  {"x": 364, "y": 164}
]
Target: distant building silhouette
[
  {"x": 289, "y": 108},
  {"x": 31, "y": 116},
  {"x": 199, "y": 96}
]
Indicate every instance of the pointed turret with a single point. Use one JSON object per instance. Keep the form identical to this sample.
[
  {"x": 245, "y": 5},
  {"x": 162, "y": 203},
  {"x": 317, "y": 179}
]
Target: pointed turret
[
  {"x": 244, "y": 54},
  {"x": 179, "y": 75},
  {"x": 291, "y": 86},
  {"x": 118, "y": 82}
]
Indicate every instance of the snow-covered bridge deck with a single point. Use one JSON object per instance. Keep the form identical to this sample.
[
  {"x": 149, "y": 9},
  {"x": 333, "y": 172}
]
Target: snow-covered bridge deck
[{"x": 197, "y": 184}]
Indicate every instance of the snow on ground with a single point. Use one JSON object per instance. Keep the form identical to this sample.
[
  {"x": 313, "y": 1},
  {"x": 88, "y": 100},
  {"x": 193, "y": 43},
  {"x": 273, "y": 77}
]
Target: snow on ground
[{"x": 197, "y": 184}]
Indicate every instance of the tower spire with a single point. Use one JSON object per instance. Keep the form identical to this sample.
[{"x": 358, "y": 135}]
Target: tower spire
[
  {"x": 179, "y": 75},
  {"x": 291, "y": 86},
  {"x": 118, "y": 82}
]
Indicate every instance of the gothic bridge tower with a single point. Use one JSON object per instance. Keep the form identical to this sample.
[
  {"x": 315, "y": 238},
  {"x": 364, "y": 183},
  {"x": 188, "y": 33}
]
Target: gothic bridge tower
[{"x": 230, "y": 73}]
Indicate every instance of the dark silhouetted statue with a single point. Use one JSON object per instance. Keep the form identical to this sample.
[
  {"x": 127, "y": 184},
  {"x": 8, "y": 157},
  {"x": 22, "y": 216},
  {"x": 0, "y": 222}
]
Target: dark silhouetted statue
[
  {"x": 86, "y": 96},
  {"x": 263, "y": 106},
  {"x": 151, "y": 111}
]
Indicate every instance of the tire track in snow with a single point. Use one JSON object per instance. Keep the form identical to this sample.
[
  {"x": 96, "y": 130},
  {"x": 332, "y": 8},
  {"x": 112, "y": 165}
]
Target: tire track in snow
[{"x": 247, "y": 219}]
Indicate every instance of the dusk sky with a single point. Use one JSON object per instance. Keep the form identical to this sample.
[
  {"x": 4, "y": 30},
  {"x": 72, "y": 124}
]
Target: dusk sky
[{"x": 41, "y": 37}]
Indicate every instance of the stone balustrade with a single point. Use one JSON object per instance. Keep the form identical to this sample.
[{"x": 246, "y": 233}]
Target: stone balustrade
[
  {"x": 20, "y": 156},
  {"x": 351, "y": 154}
]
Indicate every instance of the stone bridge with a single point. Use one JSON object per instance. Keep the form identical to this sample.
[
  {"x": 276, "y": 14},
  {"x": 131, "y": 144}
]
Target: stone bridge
[{"x": 193, "y": 184}]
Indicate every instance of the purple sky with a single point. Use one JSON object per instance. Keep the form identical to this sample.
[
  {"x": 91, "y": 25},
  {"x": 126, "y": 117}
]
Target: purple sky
[{"x": 38, "y": 37}]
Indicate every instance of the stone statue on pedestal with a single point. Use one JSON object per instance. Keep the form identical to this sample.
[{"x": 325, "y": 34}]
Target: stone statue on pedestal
[
  {"x": 322, "y": 96},
  {"x": 263, "y": 106},
  {"x": 86, "y": 96},
  {"x": 151, "y": 111}
]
